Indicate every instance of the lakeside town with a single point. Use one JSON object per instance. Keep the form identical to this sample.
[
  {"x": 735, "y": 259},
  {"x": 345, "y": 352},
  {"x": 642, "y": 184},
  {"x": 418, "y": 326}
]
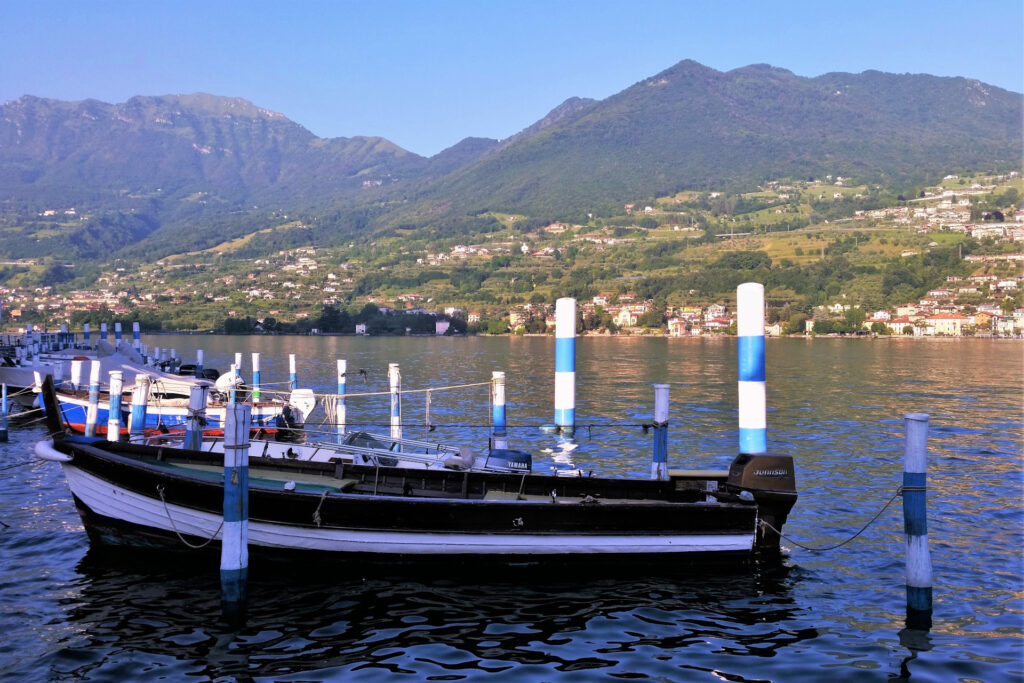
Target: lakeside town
[{"x": 983, "y": 299}]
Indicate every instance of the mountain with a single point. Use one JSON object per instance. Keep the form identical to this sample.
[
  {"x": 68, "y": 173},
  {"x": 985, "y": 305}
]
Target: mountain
[
  {"x": 161, "y": 175},
  {"x": 691, "y": 126}
]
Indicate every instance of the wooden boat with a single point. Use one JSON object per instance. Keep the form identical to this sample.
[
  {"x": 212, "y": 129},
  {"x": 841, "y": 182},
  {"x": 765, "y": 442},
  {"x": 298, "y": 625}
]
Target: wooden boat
[{"x": 154, "y": 495}]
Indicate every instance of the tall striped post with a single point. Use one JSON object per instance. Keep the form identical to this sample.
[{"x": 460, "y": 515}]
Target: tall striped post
[
  {"x": 114, "y": 406},
  {"x": 87, "y": 335},
  {"x": 659, "y": 465},
  {"x": 3, "y": 413},
  {"x": 199, "y": 363},
  {"x": 565, "y": 364},
  {"x": 117, "y": 334},
  {"x": 256, "y": 393},
  {"x": 395, "y": 383},
  {"x": 234, "y": 548},
  {"x": 94, "y": 399},
  {"x": 232, "y": 395},
  {"x": 77, "y": 366},
  {"x": 293, "y": 378},
  {"x": 752, "y": 399},
  {"x": 915, "y": 517},
  {"x": 140, "y": 400},
  {"x": 238, "y": 367},
  {"x": 340, "y": 405},
  {"x": 196, "y": 419},
  {"x": 103, "y": 332},
  {"x": 136, "y": 337},
  {"x": 498, "y": 417}
]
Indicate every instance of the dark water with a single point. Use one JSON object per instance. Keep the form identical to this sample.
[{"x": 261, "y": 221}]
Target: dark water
[{"x": 68, "y": 612}]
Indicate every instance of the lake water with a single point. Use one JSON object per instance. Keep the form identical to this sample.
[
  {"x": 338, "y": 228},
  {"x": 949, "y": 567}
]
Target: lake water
[{"x": 70, "y": 612}]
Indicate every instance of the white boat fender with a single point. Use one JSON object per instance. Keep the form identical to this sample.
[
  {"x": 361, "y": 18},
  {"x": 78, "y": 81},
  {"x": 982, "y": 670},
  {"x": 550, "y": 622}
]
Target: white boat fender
[{"x": 44, "y": 450}]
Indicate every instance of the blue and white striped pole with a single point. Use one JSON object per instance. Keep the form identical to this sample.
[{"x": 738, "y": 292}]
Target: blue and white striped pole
[
  {"x": 340, "y": 405},
  {"x": 659, "y": 465},
  {"x": 117, "y": 334},
  {"x": 199, "y": 363},
  {"x": 238, "y": 368},
  {"x": 752, "y": 395},
  {"x": 293, "y": 378},
  {"x": 136, "y": 337},
  {"x": 114, "y": 406},
  {"x": 915, "y": 517},
  {"x": 3, "y": 413},
  {"x": 86, "y": 335},
  {"x": 196, "y": 418},
  {"x": 140, "y": 401},
  {"x": 103, "y": 332},
  {"x": 565, "y": 365},
  {"x": 498, "y": 416},
  {"x": 93, "y": 410},
  {"x": 256, "y": 393},
  {"x": 395, "y": 384},
  {"x": 234, "y": 549},
  {"x": 231, "y": 394}
]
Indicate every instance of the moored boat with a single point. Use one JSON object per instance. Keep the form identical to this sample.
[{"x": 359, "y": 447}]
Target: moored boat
[{"x": 152, "y": 494}]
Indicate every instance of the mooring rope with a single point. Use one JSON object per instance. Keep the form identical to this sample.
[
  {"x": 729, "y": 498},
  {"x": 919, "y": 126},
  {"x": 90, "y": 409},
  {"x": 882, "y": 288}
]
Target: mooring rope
[
  {"x": 899, "y": 492},
  {"x": 160, "y": 490}
]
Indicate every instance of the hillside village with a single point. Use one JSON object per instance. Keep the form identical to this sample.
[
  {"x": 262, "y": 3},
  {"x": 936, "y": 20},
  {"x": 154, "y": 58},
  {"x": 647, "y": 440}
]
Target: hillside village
[{"x": 295, "y": 284}]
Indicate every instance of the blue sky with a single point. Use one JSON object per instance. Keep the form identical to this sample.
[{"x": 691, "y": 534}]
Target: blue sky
[{"x": 425, "y": 74}]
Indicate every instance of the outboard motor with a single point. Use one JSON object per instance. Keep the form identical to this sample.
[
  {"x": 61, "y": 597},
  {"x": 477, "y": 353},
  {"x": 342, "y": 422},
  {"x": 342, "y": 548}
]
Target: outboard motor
[{"x": 510, "y": 460}]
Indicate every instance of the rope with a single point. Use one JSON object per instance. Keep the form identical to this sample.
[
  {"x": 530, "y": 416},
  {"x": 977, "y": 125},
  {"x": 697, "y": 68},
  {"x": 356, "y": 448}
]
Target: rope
[
  {"x": 160, "y": 490},
  {"x": 316, "y": 513},
  {"x": 899, "y": 492}
]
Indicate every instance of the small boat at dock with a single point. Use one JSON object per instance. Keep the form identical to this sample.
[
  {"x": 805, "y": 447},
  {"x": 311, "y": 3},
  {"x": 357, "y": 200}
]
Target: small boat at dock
[{"x": 156, "y": 495}]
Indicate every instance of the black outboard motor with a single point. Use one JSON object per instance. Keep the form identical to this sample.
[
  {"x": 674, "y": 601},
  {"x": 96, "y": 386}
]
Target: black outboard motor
[{"x": 509, "y": 459}]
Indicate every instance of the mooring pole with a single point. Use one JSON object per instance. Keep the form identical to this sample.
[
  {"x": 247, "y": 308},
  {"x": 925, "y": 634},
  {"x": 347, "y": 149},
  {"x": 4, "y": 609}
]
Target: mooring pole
[
  {"x": 231, "y": 393},
  {"x": 86, "y": 333},
  {"x": 340, "y": 405},
  {"x": 234, "y": 554},
  {"x": 565, "y": 365},
  {"x": 293, "y": 377},
  {"x": 196, "y": 418},
  {"x": 199, "y": 364},
  {"x": 750, "y": 338},
  {"x": 498, "y": 418},
  {"x": 117, "y": 334},
  {"x": 238, "y": 369},
  {"x": 136, "y": 337},
  {"x": 114, "y": 406},
  {"x": 103, "y": 332},
  {"x": 3, "y": 413},
  {"x": 395, "y": 383},
  {"x": 256, "y": 377},
  {"x": 659, "y": 467},
  {"x": 93, "y": 410},
  {"x": 76, "y": 374},
  {"x": 140, "y": 400},
  {"x": 915, "y": 518}
]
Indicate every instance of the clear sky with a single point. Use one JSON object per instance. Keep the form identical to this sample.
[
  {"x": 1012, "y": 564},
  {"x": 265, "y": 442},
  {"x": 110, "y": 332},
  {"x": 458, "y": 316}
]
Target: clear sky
[{"x": 427, "y": 73}]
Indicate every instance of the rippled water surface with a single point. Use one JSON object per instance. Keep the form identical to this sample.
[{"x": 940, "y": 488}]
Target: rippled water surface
[{"x": 71, "y": 612}]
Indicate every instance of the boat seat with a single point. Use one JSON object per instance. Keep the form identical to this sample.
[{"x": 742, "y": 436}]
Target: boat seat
[
  {"x": 698, "y": 474},
  {"x": 464, "y": 460}
]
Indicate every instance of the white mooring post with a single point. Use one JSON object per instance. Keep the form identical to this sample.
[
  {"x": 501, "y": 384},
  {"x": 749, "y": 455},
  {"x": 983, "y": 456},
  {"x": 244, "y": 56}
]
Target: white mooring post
[
  {"x": 395, "y": 384},
  {"x": 293, "y": 377},
  {"x": 498, "y": 418},
  {"x": 117, "y": 334},
  {"x": 915, "y": 518},
  {"x": 103, "y": 332},
  {"x": 77, "y": 366},
  {"x": 231, "y": 393},
  {"x": 140, "y": 399},
  {"x": 114, "y": 406},
  {"x": 199, "y": 364},
  {"x": 136, "y": 337},
  {"x": 340, "y": 405},
  {"x": 565, "y": 365},
  {"x": 256, "y": 377},
  {"x": 86, "y": 335},
  {"x": 92, "y": 412},
  {"x": 196, "y": 418},
  {"x": 659, "y": 466},
  {"x": 750, "y": 345},
  {"x": 234, "y": 554}
]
